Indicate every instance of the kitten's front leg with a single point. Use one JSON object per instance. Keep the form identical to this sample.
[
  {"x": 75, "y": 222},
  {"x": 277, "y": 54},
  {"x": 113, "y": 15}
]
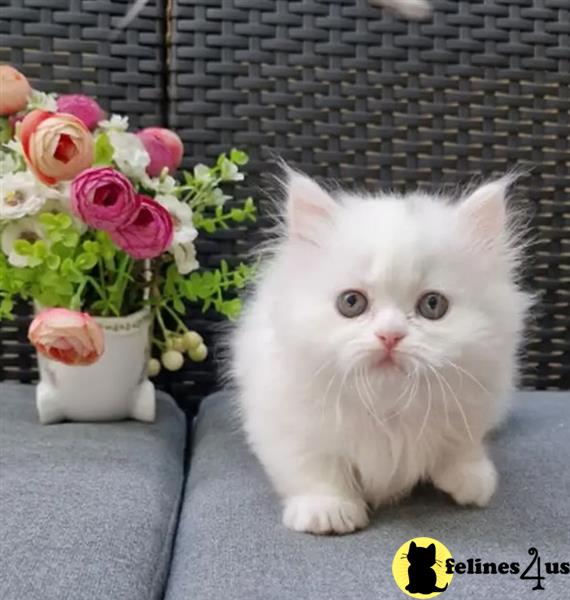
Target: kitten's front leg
[
  {"x": 467, "y": 474},
  {"x": 318, "y": 494}
]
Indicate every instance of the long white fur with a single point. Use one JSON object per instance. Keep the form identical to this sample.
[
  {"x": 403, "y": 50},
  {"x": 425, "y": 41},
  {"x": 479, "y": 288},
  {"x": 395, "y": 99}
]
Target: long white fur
[{"x": 338, "y": 435}]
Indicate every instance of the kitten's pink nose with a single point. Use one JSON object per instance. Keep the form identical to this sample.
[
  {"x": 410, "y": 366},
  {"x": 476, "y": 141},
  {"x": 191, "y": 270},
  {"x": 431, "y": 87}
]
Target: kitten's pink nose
[{"x": 390, "y": 339}]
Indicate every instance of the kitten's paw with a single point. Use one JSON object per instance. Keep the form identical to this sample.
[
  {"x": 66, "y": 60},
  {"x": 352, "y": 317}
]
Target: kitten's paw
[
  {"x": 471, "y": 482},
  {"x": 321, "y": 514}
]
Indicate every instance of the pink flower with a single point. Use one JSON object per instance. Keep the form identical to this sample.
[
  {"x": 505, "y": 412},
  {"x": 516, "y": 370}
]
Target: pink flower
[
  {"x": 164, "y": 147},
  {"x": 149, "y": 234},
  {"x": 84, "y": 108},
  {"x": 104, "y": 198},
  {"x": 67, "y": 336},
  {"x": 15, "y": 90},
  {"x": 56, "y": 146}
]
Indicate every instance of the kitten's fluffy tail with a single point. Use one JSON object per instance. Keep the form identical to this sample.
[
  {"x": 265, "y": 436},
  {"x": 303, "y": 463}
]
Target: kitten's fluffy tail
[{"x": 413, "y": 9}]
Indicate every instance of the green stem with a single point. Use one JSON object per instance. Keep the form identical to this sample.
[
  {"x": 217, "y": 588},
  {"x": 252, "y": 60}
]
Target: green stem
[
  {"x": 120, "y": 286},
  {"x": 160, "y": 320},
  {"x": 176, "y": 318}
]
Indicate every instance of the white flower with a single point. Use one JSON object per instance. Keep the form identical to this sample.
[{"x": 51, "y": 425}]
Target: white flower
[
  {"x": 181, "y": 213},
  {"x": 25, "y": 229},
  {"x": 185, "y": 257},
  {"x": 129, "y": 154},
  {"x": 20, "y": 195},
  {"x": 8, "y": 163},
  {"x": 42, "y": 101},
  {"x": 160, "y": 185},
  {"x": 115, "y": 123},
  {"x": 202, "y": 173},
  {"x": 229, "y": 171},
  {"x": 219, "y": 197}
]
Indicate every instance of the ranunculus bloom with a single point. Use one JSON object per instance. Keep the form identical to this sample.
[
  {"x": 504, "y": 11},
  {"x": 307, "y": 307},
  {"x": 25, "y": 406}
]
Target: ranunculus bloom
[
  {"x": 67, "y": 336},
  {"x": 164, "y": 148},
  {"x": 83, "y": 107},
  {"x": 150, "y": 234},
  {"x": 14, "y": 90},
  {"x": 104, "y": 198},
  {"x": 57, "y": 147}
]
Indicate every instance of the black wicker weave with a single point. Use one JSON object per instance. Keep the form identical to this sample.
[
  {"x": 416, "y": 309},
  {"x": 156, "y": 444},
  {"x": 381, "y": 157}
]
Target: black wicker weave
[{"x": 343, "y": 90}]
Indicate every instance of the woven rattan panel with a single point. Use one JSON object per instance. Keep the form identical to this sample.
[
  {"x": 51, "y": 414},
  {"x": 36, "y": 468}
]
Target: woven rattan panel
[
  {"x": 347, "y": 91},
  {"x": 72, "y": 46}
]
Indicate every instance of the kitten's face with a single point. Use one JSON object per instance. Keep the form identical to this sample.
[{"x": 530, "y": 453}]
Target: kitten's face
[{"x": 394, "y": 286}]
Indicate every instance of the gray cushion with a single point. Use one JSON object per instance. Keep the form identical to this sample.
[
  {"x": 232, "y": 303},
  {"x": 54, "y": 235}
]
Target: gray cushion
[
  {"x": 88, "y": 511},
  {"x": 230, "y": 542}
]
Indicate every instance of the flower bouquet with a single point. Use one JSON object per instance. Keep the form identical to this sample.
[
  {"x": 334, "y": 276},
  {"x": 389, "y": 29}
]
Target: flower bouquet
[{"x": 99, "y": 235}]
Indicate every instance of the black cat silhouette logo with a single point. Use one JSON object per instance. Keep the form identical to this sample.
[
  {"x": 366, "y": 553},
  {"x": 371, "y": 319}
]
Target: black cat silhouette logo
[{"x": 419, "y": 568}]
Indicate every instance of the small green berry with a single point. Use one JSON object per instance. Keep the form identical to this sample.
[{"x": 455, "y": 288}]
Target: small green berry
[
  {"x": 198, "y": 354},
  {"x": 192, "y": 339},
  {"x": 172, "y": 360},
  {"x": 153, "y": 367},
  {"x": 169, "y": 343}
]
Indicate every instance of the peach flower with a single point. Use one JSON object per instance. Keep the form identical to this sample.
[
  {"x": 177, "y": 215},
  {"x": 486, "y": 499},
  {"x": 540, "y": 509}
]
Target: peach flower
[
  {"x": 57, "y": 147},
  {"x": 14, "y": 90},
  {"x": 67, "y": 336}
]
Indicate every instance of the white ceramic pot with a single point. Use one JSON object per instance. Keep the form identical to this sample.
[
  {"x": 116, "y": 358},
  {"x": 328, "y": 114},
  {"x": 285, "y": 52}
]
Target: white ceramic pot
[{"x": 116, "y": 387}]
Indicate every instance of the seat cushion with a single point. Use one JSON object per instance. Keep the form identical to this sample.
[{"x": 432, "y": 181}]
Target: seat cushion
[
  {"x": 231, "y": 544},
  {"x": 88, "y": 511}
]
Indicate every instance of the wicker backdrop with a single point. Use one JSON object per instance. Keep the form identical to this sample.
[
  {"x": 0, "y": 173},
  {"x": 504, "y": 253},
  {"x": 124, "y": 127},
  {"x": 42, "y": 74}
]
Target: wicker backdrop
[{"x": 342, "y": 90}]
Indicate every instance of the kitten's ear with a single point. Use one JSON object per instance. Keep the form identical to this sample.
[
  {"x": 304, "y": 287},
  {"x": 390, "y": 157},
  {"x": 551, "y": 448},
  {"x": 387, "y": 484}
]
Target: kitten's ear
[
  {"x": 431, "y": 548},
  {"x": 484, "y": 211},
  {"x": 412, "y": 545},
  {"x": 309, "y": 207}
]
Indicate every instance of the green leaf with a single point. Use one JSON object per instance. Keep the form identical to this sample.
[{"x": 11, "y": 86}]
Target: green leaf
[
  {"x": 63, "y": 220},
  {"x": 40, "y": 250},
  {"x": 208, "y": 225},
  {"x": 238, "y": 157},
  {"x": 53, "y": 262},
  {"x": 231, "y": 308},
  {"x": 178, "y": 305},
  {"x": 103, "y": 151},
  {"x": 70, "y": 239},
  {"x": 67, "y": 267},
  {"x": 91, "y": 246},
  {"x": 237, "y": 215},
  {"x": 86, "y": 261},
  {"x": 6, "y": 306},
  {"x": 23, "y": 247},
  {"x": 5, "y": 130}
]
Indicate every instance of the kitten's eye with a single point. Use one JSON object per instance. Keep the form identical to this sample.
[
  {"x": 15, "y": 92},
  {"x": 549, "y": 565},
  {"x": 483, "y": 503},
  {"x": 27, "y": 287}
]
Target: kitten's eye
[
  {"x": 432, "y": 305},
  {"x": 351, "y": 304}
]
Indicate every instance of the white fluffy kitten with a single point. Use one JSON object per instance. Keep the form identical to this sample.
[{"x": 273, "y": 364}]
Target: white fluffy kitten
[{"x": 378, "y": 350}]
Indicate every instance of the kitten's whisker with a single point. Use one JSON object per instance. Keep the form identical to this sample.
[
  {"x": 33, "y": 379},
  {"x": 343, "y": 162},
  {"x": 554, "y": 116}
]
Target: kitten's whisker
[
  {"x": 326, "y": 363},
  {"x": 443, "y": 394},
  {"x": 366, "y": 401},
  {"x": 461, "y": 410},
  {"x": 426, "y": 417},
  {"x": 326, "y": 394},
  {"x": 411, "y": 395},
  {"x": 470, "y": 375},
  {"x": 338, "y": 416}
]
